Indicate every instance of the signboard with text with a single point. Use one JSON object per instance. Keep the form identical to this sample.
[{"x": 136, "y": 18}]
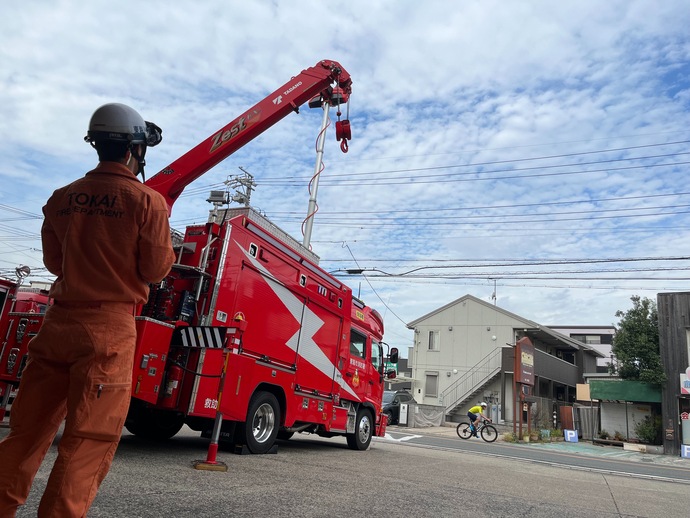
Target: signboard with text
[
  {"x": 525, "y": 361},
  {"x": 388, "y": 366},
  {"x": 570, "y": 436},
  {"x": 685, "y": 381}
]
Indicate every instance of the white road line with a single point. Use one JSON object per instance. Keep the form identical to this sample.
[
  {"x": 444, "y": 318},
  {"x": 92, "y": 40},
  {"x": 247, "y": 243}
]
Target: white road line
[{"x": 389, "y": 437}]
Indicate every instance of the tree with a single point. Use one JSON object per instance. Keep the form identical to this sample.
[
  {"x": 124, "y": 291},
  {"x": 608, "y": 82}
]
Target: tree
[{"x": 636, "y": 343}]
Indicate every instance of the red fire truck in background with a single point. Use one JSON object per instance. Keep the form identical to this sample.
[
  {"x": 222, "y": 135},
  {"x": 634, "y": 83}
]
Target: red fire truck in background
[{"x": 246, "y": 325}]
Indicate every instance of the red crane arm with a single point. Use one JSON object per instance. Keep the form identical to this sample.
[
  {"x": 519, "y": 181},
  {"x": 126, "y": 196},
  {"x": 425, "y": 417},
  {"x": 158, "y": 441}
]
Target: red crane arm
[{"x": 313, "y": 81}]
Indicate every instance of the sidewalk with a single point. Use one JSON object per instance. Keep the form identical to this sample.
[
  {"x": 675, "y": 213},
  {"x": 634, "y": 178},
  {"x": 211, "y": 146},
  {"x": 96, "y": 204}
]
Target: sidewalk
[{"x": 573, "y": 448}]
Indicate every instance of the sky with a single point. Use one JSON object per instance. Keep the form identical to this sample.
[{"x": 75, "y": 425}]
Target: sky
[{"x": 532, "y": 154}]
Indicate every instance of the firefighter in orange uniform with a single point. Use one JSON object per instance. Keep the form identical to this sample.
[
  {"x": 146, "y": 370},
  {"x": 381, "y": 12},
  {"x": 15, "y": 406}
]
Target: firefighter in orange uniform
[{"x": 106, "y": 237}]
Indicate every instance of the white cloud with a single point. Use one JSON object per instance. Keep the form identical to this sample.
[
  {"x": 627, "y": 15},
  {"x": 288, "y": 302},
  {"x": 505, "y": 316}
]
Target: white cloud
[{"x": 465, "y": 89}]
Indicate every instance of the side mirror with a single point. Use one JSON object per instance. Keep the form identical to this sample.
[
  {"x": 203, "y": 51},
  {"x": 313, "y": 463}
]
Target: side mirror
[
  {"x": 393, "y": 358},
  {"x": 391, "y": 374}
]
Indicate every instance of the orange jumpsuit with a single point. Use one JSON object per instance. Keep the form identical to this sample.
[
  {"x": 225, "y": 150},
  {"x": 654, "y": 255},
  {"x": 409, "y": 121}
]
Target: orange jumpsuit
[{"x": 105, "y": 237}]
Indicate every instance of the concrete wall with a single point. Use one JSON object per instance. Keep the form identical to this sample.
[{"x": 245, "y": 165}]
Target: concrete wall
[
  {"x": 468, "y": 331},
  {"x": 490, "y": 394}
]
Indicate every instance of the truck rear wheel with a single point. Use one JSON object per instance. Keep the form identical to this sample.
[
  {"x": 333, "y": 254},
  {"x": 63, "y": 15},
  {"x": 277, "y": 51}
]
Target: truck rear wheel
[
  {"x": 364, "y": 429},
  {"x": 263, "y": 422}
]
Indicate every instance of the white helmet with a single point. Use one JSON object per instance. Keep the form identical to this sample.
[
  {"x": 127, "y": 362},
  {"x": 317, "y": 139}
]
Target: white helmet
[
  {"x": 120, "y": 123},
  {"x": 483, "y": 404}
]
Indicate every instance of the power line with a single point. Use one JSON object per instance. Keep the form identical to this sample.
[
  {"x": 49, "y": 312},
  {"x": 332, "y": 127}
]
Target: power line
[
  {"x": 518, "y": 160},
  {"x": 412, "y": 222},
  {"x": 286, "y": 180},
  {"x": 529, "y": 261},
  {"x": 372, "y": 288},
  {"x": 586, "y": 286},
  {"x": 502, "y": 206},
  {"x": 348, "y": 216}
]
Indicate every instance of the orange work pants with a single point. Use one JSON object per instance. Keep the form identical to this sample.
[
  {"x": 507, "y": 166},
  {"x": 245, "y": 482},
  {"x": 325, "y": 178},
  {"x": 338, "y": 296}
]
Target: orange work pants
[{"x": 79, "y": 370}]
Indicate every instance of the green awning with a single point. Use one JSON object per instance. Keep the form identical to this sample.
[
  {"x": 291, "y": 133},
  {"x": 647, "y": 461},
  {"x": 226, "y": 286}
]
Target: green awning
[{"x": 622, "y": 390}]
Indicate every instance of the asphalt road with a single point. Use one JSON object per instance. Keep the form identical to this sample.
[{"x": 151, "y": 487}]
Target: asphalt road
[
  {"x": 612, "y": 460},
  {"x": 314, "y": 477}
]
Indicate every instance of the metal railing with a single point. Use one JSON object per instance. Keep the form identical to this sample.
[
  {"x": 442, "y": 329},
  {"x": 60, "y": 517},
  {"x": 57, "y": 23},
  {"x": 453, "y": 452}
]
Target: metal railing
[{"x": 470, "y": 381}]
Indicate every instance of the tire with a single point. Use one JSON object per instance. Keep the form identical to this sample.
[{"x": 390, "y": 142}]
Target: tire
[
  {"x": 154, "y": 425},
  {"x": 391, "y": 419},
  {"x": 364, "y": 429},
  {"x": 464, "y": 431},
  {"x": 489, "y": 433},
  {"x": 263, "y": 422}
]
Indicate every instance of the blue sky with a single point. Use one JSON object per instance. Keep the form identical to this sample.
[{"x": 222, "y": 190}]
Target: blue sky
[{"x": 485, "y": 133}]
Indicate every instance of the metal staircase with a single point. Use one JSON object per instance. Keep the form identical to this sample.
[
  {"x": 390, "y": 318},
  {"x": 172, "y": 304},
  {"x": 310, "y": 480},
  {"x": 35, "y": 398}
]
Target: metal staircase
[{"x": 472, "y": 382}]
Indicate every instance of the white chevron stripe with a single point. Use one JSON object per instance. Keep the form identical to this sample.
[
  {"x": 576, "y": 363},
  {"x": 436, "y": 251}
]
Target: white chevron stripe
[{"x": 308, "y": 349}]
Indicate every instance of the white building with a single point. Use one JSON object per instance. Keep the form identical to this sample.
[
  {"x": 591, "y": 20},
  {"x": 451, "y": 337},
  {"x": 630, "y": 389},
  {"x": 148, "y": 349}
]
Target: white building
[
  {"x": 463, "y": 353},
  {"x": 597, "y": 337}
]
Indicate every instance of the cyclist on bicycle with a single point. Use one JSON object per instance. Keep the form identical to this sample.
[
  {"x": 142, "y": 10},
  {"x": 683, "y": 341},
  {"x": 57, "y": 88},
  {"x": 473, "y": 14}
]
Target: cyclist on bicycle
[{"x": 475, "y": 414}]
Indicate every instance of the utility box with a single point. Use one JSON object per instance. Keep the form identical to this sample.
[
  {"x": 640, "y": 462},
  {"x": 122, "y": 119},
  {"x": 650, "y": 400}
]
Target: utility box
[
  {"x": 495, "y": 413},
  {"x": 404, "y": 411},
  {"x": 150, "y": 357}
]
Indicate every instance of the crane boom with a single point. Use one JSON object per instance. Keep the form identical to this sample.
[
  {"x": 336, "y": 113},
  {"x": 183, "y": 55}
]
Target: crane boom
[{"x": 309, "y": 83}]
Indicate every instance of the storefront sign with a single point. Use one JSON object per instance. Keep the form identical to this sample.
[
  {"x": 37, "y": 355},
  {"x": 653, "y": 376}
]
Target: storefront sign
[
  {"x": 524, "y": 354},
  {"x": 685, "y": 381}
]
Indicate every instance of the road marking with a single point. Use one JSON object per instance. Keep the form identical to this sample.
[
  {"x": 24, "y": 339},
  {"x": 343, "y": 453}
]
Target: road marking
[{"x": 389, "y": 437}]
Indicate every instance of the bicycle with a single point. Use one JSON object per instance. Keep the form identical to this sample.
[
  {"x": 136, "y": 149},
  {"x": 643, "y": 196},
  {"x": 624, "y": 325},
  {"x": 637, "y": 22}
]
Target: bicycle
[{"x": 487, "y": 431}]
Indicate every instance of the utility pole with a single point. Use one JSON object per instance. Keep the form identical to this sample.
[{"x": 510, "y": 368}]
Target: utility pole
[{"x": 243, "y": 185}]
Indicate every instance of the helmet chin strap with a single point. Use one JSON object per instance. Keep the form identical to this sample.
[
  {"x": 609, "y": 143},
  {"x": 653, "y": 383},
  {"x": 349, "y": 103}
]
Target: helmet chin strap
[{"x": 140, "y": 160}]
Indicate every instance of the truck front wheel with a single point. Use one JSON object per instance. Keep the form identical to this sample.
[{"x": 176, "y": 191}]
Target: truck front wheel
[
  {"x": 364, "y": 429},
  {"x": 263, "y": 422}
]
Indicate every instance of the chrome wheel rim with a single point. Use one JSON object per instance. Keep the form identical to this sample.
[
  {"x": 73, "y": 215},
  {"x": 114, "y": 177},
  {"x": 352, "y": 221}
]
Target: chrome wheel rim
[{"x": 263, "y": 423}]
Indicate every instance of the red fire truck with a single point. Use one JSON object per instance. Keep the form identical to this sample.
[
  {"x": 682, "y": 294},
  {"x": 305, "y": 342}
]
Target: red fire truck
[
  {"x": 21, "y": 311},
  {"x": 246, "y": 326}
]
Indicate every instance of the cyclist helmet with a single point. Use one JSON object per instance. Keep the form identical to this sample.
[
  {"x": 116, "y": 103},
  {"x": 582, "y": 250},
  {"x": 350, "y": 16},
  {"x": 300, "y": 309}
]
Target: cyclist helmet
[
  {"x": 120, "y": 123},
  {"x": 483, "y": 404}
]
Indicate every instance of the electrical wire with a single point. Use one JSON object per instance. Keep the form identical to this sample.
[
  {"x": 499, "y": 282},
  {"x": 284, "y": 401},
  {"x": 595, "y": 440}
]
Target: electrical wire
[{"x": 372, "y": 287}]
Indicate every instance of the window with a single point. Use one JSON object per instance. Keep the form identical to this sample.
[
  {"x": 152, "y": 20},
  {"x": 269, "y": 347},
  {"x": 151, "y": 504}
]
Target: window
[
  {"x": 3, "y": 297},
  {"x": 590, "y": 339},
  {"x": 431, "y": 385},
  {"x": 376, "y": 354},
  {"x": 358, "y": 344},
  {"x": 434, "y": 341}
]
